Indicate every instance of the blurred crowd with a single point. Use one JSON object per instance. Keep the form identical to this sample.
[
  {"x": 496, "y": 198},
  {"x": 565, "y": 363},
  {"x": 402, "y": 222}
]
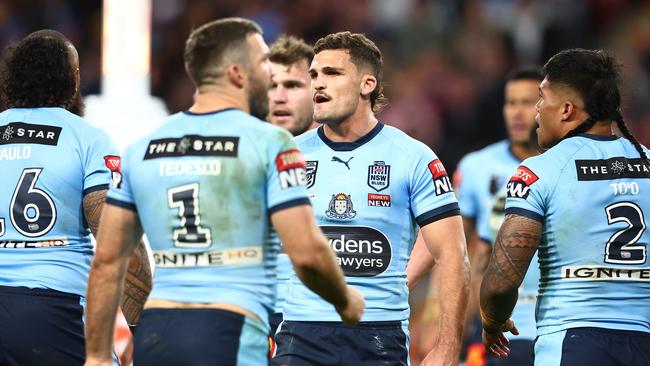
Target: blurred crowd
[{"x": 445, "y": 60}]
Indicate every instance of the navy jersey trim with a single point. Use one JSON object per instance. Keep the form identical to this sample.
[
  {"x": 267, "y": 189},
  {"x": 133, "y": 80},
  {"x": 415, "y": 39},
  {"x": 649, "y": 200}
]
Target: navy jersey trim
[
  {"x": 288, "y": 204},
  {"x": 525, "y": 213},
  {"x": 349, "y": 146},
  {"x": 208, "y": 113},
  {"x": 450, "y": 209},
  {"x": 127, "y": 205},
  {"x": 95, "y": 188},
  {"x": 599, "y": 137}
]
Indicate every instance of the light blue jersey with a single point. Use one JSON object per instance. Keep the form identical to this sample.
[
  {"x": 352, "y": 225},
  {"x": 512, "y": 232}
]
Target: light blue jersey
[
  {"x": 480, "y": 175},
  {"x": 50, "y": 158},
  {"x": 480, "y": 182},
  {"x": 592, "y": 195},
  {"x": 369, "y": 197},
  {"x": 204, "y": 187}
]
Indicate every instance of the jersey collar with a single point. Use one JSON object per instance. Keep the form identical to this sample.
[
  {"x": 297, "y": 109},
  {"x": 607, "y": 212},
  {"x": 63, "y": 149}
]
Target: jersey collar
[
  {"x": 349, "y": 146},
  {"x": 599, "y": 137},
  {"x": 208, "y": 113}
]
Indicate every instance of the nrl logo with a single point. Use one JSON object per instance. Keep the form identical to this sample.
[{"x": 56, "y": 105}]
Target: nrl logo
[
  {"x": 312, "y": 167},
  {"x": 340, "y": 207},
  {"x": 379, "y": 176}
]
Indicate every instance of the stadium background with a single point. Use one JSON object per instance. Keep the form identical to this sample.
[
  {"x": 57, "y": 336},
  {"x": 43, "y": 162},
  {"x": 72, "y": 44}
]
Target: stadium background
[{"x": 445, "y": 60}]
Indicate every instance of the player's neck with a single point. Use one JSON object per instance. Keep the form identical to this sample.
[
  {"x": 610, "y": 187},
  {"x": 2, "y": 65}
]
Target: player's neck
[
  {"x": 212, "y": 99},
  {"x": 523, "y": 151},
  {"x": 351, "y": 129},
  {"x": 601, "y": 128}
]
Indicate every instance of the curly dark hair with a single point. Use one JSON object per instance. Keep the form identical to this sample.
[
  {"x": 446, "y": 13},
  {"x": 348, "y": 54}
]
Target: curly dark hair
[
  {"x": 38, "y": 72},
  {"x": 364, "y": 53},
  {"x": 595, "y": 75}
]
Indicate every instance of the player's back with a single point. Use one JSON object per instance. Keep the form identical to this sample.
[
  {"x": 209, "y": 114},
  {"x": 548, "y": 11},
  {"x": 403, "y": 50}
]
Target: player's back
[
  {"x": 204, "y": 186},
  {"x": 50, "y": 159},
  {"x": 592, "y": 194}
]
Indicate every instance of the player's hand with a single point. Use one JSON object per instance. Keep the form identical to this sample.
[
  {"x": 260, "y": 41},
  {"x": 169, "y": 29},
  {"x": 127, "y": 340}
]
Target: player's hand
[
  {"x": 496, "y": 344},
  {"x": 351, "y": 314},
  {"x": 441, "y": 356}
]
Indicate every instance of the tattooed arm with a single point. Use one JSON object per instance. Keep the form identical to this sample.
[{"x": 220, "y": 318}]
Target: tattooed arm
[
  {"x": 514, "y": 248},
  {"x": 137, "y": 284}
]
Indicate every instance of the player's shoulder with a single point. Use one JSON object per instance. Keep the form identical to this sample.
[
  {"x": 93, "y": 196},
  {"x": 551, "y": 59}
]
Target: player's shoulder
[
  {"x": 402, "y": 141},
  {"x": 552, "y": 162},
  {"x": 84, "y": 129},
  {"x": 486, "y": 154},
  {"x": 308, "y": 137}
]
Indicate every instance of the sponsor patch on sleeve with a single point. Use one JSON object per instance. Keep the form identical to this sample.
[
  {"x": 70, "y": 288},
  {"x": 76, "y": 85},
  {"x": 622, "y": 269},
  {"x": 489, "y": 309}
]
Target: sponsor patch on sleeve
[
  {"x": 441, "y": 180},
  {"x": 291, "y": 169},
  {"x": 519, "y": 184},
  {"x": 114, "y": 164}
]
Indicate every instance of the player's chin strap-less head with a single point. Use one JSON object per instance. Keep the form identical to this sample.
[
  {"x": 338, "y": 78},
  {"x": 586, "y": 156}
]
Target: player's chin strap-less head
[
  {"x": 39, "y": 73},
  {"x": 595, "y": 76}
]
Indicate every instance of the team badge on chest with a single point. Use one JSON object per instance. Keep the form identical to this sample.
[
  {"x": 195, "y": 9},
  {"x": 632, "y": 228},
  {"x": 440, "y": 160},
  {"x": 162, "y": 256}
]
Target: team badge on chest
[
  {"x": 379, "y": 176},
  {"x": 312, "y": 167},
  {"x": 340, "y": 207}
]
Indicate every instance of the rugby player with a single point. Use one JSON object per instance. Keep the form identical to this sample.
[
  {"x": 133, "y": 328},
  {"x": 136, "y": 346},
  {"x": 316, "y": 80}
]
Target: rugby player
[
  {"x": 582, "y": 205},
  {"x": 207, "y": 188}
]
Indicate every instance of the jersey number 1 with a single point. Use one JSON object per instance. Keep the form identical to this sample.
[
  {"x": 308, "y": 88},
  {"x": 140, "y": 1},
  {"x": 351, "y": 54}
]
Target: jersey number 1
[
  {"x": 620, "y": 247},
  {"x": 190, "y": 234}
]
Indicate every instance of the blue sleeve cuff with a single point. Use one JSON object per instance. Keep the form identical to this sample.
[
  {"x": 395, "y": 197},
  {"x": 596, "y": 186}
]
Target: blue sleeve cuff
[
  {"x": 525, "y": 213},
  {"x": 115, "y": 202},
  {"x": 289, "y": 204},
  {"x": 95, "y": 188},
  {"x": 439, "y": 213}
]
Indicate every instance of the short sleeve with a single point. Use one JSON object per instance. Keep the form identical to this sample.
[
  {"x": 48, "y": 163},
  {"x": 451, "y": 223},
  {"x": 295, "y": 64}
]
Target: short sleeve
[
  {"x": 527, "y": 190},
  {"x": 431, "y": 193},
  {"x": 286, "y": 174},
  {"x": 101, "y": 160},
  {"x": 465, "y": 186},
  {"x": 120, "y": 193}
]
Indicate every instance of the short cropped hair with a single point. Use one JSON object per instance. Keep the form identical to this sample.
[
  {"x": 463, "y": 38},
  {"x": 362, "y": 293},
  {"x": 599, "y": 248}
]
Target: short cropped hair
[
  {"x": 364, "y": 54},
  {"x": 288, "y": 50},
  {"x": 37, "y": 72},
  {"x": 213, "y": 44}
]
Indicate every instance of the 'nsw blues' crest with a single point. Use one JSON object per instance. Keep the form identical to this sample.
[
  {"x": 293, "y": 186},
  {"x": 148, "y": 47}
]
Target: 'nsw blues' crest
[
  {"x": 379, "y": 176},
  {"x": 340, "y": 207},
  {"x": 312, "y": 167}
]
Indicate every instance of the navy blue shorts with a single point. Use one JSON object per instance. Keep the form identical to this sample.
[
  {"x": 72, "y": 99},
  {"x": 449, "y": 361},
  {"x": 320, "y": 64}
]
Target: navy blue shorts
[
  {"x": 593, "y": 346},
  {"x": 274, "y": 321},
  {"x": 333, "y": 343},
  {"x": 40, "y": 327},
  {"x": 522, "y": 353},
  {"x": 197, "y": 337}
]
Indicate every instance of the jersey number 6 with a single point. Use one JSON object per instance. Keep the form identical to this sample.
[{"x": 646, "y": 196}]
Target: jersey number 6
[{"x": 31, "y": 210}]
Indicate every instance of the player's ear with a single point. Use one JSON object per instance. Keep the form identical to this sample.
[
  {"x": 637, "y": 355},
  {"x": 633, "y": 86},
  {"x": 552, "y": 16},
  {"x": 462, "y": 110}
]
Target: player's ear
[
  {"x": 368, "y": 84},
  {"x": 568, "y": 109},
  {"x": 236, "y": 75}
]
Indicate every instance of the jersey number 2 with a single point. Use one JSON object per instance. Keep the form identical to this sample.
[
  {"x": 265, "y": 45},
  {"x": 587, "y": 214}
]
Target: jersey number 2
[
  {"x": 620, "y": 247},
  {"x": 190, "y": 234},
  {"x": 31, "y": 210}
]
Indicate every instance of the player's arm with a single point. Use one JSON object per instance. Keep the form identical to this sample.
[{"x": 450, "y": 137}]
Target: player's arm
[
  {"x": 446, "y": 242},
  {"x": 138, "y": 275},
  {"x": 420, "y": 262},
  {"x": 119, "y": 235},
  {"x": 513, "y": 250},
  {"x": 314, "y": 261}
]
